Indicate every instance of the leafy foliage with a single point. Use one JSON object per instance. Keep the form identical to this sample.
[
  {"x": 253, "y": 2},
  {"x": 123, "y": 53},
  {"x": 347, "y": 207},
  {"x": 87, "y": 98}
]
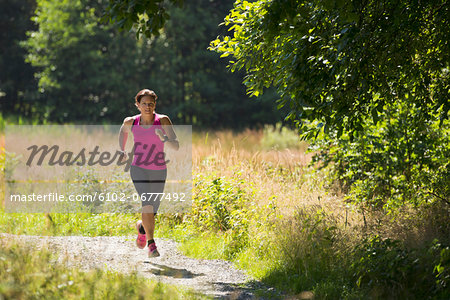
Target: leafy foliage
[
  {"x": 441, "y": 266},
  {"x": 339, "y": 62},
  {"x": 148, "y": 16},
  {"x": 386, "y": 268},
  {"x": 403, "y": 159},
  {"x": 223, "y": 205},
  {"x": 194, "y": 85},
  {"x": 86, "y": 71},
  {"x": 376, "y": 254}
]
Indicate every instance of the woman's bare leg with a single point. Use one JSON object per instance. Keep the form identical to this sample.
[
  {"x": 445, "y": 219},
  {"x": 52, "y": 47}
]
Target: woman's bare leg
[{"x": 148, "y": 221}]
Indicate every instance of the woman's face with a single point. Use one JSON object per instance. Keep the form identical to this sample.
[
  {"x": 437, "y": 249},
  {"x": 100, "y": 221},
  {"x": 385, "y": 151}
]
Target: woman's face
[{"x": 147, "y": 105}]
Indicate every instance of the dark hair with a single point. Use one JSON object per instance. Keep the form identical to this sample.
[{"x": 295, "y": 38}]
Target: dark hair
[{"x": 145, "y": 92}]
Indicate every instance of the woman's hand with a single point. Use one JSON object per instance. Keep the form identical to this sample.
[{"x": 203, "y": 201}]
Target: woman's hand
[
  {"x": 161, "y": 135},
  {"x": 123, "y": 157}
]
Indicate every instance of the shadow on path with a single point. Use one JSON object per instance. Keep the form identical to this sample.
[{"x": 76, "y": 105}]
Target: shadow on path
[
  {"x": 249, "y": 290},
  {"x": 171, "y": 272}
]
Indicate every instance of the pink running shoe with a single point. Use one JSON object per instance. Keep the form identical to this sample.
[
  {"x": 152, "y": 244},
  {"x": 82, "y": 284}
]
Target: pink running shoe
[
  {"x": 141, "y": 239},
  {"x": 152, "y": 251}
]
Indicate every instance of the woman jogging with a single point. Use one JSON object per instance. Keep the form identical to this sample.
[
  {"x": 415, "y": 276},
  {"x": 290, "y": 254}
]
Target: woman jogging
[{"x": 151, "y": 132}]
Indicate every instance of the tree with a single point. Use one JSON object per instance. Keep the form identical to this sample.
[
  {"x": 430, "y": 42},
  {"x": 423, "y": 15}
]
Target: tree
[
  {"x": 339, "y": 61},
  {"x": 373, "y": 75},
  {"x": 87, "y": 71},
  {"x": 194, "y": 84}
]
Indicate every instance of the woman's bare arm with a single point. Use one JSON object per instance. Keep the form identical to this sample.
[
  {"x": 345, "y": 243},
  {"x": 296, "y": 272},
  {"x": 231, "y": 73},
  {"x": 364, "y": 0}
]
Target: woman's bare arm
[
  {"x": 123, "y": 134},
  {"x": 172, "y": 141}
]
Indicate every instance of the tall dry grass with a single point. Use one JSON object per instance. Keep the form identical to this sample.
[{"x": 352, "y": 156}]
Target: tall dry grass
[
  {"x": 285, "y": 177},
  {"x": 282, "y": 176}
]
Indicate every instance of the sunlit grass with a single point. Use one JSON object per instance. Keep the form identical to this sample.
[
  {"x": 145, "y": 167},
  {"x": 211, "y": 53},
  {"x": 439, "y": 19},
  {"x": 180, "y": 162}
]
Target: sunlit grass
[
  {"x": 28, "y": 274},
  {"x": 282, "y": 175},
  {"x": 68, "y": 224}
]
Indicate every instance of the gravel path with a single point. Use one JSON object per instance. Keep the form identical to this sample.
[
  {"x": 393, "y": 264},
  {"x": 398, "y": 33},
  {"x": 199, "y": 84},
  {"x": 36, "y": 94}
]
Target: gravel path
[{"x": 217, "y": 278}]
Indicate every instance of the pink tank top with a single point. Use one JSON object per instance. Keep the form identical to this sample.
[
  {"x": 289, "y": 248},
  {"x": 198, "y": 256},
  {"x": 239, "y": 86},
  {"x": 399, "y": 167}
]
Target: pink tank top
[{"x": 148, "y": 147}]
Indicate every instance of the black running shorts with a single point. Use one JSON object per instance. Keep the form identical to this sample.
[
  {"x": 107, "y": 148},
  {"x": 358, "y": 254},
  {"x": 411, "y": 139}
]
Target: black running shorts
[{"x": 149, "y": 185}]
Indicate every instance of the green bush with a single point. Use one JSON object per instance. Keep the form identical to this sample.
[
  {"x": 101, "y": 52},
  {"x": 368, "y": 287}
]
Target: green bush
[
  {"x": 381, "y": 264},
  {"x": 310, "y": 252},
  {"x": 441, "y": 268},
  {"x": 385, "y": 268},
  {"x": 222, "y": 205},
  {"x": 402, "y": 159}
]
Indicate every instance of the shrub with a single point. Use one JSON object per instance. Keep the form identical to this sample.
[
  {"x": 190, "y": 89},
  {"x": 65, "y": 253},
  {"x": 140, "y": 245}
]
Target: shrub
[
  {"x": 402, "y": 159},
  {"x": 385, "y": 268},
  {"x": 222, "y": 205}
]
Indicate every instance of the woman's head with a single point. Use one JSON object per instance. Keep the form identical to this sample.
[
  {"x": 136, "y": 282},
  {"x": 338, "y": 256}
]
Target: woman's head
[{"x": 145, "y": 92}]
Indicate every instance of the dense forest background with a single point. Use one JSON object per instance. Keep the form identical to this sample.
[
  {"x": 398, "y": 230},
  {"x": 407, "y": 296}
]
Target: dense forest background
[{"x": 61, "y": 64}]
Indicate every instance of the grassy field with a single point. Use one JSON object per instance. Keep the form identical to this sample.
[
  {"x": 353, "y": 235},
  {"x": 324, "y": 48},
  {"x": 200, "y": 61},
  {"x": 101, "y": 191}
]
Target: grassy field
[{"x": 259, "y": 203}]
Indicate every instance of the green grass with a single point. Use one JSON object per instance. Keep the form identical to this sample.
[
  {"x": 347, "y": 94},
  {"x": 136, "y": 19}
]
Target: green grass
[
  {"x": 26, "y": 274},
  {"x": 204, "y": 245},
  {"x": 68, "y": 224}
]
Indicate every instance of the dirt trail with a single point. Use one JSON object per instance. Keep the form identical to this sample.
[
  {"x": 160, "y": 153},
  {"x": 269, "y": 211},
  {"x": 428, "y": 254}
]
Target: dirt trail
[{"x": 216, "y": 278}]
